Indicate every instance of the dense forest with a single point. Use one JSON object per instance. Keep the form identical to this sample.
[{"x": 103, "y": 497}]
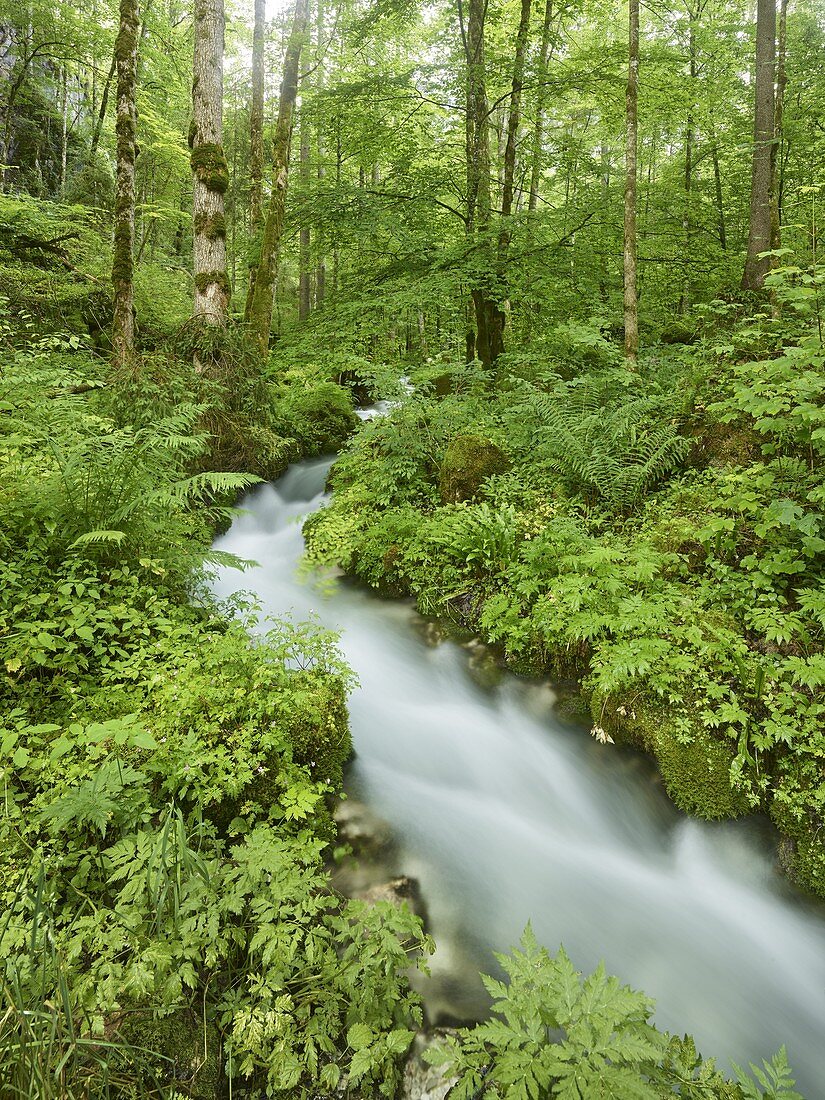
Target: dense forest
[{"x": 571, "y": 249}]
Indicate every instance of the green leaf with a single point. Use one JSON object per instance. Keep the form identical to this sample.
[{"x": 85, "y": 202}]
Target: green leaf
[{"x": 359, "y": 1036}]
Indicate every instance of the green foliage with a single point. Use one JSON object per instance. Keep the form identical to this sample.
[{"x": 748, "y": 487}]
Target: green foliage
[
  {"x": 555, "y": 1033},
  {"x": 607, "y": 434}
]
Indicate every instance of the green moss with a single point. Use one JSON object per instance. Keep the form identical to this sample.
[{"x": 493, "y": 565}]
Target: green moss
[
  {"x": 469, "y": 460},
  {"x": 205, "y": 279},
  {"x": 696, "y": 773},
  {"x": 801, "y": 850},
  {"x": 212, "y": 226},
  {"x": 209, "y": 165},
  {"x": 178, "y": 1048}
]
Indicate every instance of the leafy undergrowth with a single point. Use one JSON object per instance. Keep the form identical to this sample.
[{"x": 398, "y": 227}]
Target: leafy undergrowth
[
  {"x": 168, "y": 924},
  {"x": 660, "y": 534}
]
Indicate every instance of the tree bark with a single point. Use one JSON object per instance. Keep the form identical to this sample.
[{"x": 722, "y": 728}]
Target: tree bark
[
  {"x": 304, "y": 239},
  {"x": 101, "y": 114},
  {"x": 256, "y": 118},
  {"x": 259, "y": 316},
  {"x": 538, "y": 133},
  {"x": 759, "y": 230},
  {"x": 126, "y": 57},
  {"x": 321, "y": 268},
  {"x": 631, "y": 302},
  {"x": 779, "y": 108},
  {"x": 256, "y": 137},
  {"x": 497, "y": 316},
  {"x": 210, "y": 173}
]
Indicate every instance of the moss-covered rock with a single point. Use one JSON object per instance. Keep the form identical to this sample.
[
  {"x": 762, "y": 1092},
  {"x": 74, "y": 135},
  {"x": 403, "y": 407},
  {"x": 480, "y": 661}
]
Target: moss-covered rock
[
  {"x": 468, "y": 461},
  {"x": 179, "y": 1051},
  {"x": 696, "y": 772},
  {"x": 801, "y": 850},
  {"x": 318, "y": 728}
]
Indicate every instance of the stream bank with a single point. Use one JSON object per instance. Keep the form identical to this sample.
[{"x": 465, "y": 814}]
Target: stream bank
[{"x": 505, "y": 814}]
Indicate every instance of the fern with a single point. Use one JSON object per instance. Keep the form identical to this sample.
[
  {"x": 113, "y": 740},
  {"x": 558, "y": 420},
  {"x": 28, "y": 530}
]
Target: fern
[{"x": 605, "y": 434}]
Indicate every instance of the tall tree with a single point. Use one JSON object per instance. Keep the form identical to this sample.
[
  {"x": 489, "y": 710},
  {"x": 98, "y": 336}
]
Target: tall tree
[
  {"x": 210, "y": 175},
  {"x": 496, "y": 313},
  {"x": 256, "y": 135},
  {"x": 759, "y": 229},
  {"x": 779, "y": 110},
  {"x": 259, "y": 311},
  {"x": 631, "y": 300},
  {"x": 541, "y": 96},
  {"x": 126, "y": 59},
  {"x": 477, "y": 146}
]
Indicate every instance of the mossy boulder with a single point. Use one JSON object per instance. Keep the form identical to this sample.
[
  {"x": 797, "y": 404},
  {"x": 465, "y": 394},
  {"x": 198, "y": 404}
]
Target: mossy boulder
[
  {"x": 801, "y": 849},
  {"x": 180, "y": 1051},
  {"x": 468, "y": 462},
  {"x": 696, "y": 771},
  {"x": 319, "y": 416}
]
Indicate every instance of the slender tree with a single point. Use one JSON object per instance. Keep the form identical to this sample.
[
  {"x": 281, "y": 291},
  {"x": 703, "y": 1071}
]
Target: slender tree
[
  {"x": 496, "y": 313},
  {"x": 477, "y": 144},
  {"x": 259, "y": 313},
  {"x": 126, "y": 60},
  {"x": 210, "y": 175},
  {"x": 304, "y": 276},
  {"x": 256, "y": 135},
  {"x": 759, "y": 230},
  {"x": 779, "y": 110},
  {"x": 541, "y": 97},
  {"x": 631, "y": 301}
]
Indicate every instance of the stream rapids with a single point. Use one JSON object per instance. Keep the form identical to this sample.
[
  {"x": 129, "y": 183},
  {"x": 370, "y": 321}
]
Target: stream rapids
[{"x": 506, "y": 814}]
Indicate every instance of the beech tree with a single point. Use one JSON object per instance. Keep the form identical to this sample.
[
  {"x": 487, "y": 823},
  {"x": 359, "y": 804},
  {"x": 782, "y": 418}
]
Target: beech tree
[
  {"x": 757, "y": 265},
  {"x": 631, "y": 301},
  {"x": 210, "y": 174},
  {"x": 126, "y": 60},
  {"x": 259, "y": 309}
]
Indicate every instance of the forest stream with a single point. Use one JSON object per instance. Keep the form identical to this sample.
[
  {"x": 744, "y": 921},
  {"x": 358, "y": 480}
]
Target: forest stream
[{"x": 506, "y": 814}]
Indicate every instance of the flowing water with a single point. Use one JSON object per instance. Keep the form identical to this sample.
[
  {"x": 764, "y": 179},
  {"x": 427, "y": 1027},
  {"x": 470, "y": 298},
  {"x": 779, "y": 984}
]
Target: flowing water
[{"x": 506, "y": 814}]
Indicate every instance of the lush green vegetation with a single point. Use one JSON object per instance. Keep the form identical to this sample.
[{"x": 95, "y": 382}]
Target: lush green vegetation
[{"x": 483, "y": 202}]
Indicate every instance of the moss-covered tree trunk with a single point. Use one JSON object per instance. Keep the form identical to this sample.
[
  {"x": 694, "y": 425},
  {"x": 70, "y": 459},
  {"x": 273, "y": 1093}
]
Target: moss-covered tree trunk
[
  {"x": 126, "y": 58},
  {"x": 759, "y": 229},
  {"x": 259, "y": 312},
  {"x": 631, "y": 299},
  {"x": 210, "y": 176}
]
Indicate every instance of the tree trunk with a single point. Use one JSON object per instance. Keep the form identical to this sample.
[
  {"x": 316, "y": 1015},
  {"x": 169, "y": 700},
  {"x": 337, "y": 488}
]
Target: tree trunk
[
  {"x": 304, "y": 277},
  {"x": 256, "y": 136},
  {"x": 538, "y": 133},
  {"x": 101, "y": 114},
  {"x": 478, "y": 172},
  {"x": 631, "y": 303},
  {"x": 687, "y": 220},
  {"x": 210, "y": 173},
  {"x": 717, "y": 185},
  {"x": 759, "y": 231},
  {"x": 779, "y": 106},
  {"x": 259, "y": 317},
  {"x": 126, "y": 56},
  {"x": 497, "y": 315},
  {"x": 321, "y": 269}
]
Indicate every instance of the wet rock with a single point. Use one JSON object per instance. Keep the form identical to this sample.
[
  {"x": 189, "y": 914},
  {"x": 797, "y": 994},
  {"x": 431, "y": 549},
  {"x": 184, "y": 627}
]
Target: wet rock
[
  {"x": 368, "y": 835},
  {"x": 421, "y": 1080},
  {"x": 401, "y": 890}
]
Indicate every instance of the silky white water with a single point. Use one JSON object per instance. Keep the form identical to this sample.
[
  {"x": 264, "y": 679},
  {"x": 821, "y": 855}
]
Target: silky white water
[{"x": 505, "y": 815}]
